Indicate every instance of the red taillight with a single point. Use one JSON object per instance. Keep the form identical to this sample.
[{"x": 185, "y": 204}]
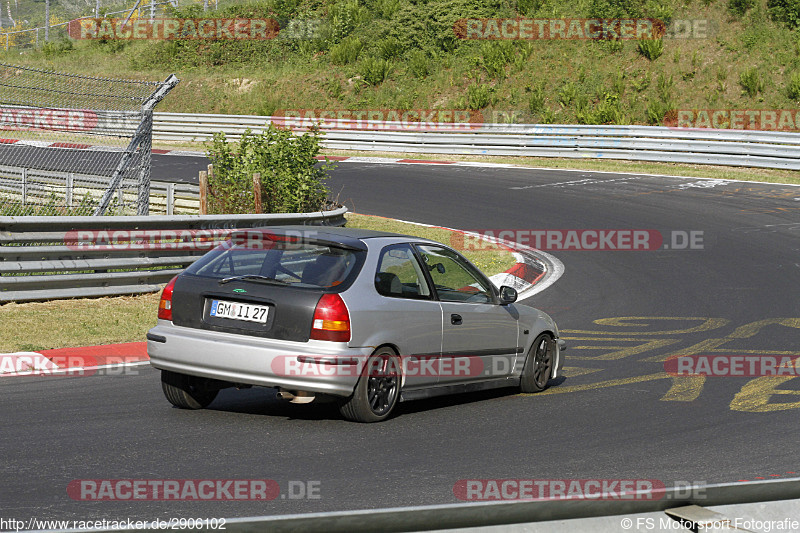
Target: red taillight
[
  {"x": 331, "y": 320},
  {"x": 165, "y": 305}
]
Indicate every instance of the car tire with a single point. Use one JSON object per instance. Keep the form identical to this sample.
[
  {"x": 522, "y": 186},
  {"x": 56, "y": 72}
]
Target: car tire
[
  {"x": 538, "y": 364},
  {"x": 186, "y": 392},
  {"x": 376, "y": 393}
]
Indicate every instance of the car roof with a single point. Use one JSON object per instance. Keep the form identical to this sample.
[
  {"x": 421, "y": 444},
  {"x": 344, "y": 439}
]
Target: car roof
[{"x": 352, "y": 237}]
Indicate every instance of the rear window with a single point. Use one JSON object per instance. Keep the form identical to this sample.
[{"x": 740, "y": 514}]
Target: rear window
[{"x": 304, "y": 264}]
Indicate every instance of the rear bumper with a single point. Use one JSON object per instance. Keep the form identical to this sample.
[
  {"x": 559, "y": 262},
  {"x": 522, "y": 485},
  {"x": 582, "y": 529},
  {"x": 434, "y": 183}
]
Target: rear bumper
[{"x": 256, "y": 361}]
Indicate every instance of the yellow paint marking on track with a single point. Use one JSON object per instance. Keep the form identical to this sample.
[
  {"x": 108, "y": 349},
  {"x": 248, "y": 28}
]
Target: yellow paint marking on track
[
  {"x": 602, "y": 384},
  {"x": 575, "y": 371},
  {"x": 620, "y": 352},
  {"x": 701, "y": 347},
  {"x": 742, "y": 332},
  {"x": 684, "y": 389},
  {"x": 645, "y": 321},
  {"x": 755, "y": 395}
]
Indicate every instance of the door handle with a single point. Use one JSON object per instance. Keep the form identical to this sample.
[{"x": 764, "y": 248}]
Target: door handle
[{"x": 456, "y": 319}]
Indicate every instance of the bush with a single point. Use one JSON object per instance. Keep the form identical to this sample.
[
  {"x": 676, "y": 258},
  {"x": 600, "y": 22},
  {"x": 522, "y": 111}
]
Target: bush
[
  {"x": 346, "y": 51},
  {"x": 56, "y": 48},
  {"x": 536, "y": 100},
  {"x": 480, "y": 96},
  {"x": 786, "y": 11},
  {"x": 751, "y": 82},
  {"x": 614, "y": 9},
  {"x": 567, "y": 94},
  {"x": 375, "y": 70},
  {"x": 418, "y": 64},
  {"x": 390, "y": 48},
  {"x": 495, "y": 56},
  {"x": 291, "y": 179},
  {"x": 738, "y": 8},
  {"x": 657, "y": 111},
  {"x": 793, "y": 87},
  {"x": 651, "y": 48},
  {"x": 607, "y": 111},
  {"x": 665, "y": 85}
]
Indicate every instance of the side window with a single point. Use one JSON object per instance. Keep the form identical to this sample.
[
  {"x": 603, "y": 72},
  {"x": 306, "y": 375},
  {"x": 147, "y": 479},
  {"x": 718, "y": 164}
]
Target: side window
[
  {"x": 399, "y": 274},
  {"x": 454, "y": 279}
]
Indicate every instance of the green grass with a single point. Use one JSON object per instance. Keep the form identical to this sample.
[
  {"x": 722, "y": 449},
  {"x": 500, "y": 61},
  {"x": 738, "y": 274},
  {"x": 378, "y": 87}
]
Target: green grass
[
  {"x": 398, "y": 55},
  {"x": 87, "y": 322},
  {"x": 82, "y": 322}
]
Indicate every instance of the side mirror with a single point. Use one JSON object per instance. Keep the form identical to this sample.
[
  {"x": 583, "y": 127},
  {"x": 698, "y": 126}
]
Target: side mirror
[{"x": 508, "y": 295}]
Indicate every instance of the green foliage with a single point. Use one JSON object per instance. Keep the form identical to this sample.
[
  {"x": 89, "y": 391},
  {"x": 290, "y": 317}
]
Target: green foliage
[
  {"x": 374, "y": 70},
  {"x": 567, "y": 94},
  {"x": 548, "y": 116},
  {"x": 418, "y": 64},
  {"x": 641, "y": 85},
  {"x": 738, "y": 8},
  {"x": 57, "y": 48},
  {"x": 480, "y": 96},
  {"x": 607, "y": 111},
  {"x": 52, "y": 206},
  {"x": 659, "y": 10},
  {"x": 793, "y": 86},
  {"x": 618, "y": 83},
  {"x": 651, "y": 48},
  {"x": 657, "y": 111},
  {"x": 291, "y": 179},
  {"x": 343, "y": 19},
  {"x": 390, "y": 48},
  {"x": 536, "y": 99},
  {"x": 664, "y": 84},
  {"x": 786, "y": 11},
  {"x": 616, "y": 9},
  {"x": 495, "y": 55},
  {"x": 387, "y": 8},
  {"x": 528, "y": 7},
  {"x": 751, "y": 82},
  {"x": 346, "y": 51}
]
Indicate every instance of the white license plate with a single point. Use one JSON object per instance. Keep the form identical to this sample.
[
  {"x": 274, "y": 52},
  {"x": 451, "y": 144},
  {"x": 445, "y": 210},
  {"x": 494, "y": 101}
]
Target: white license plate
[{"x": 239, "y": 311}]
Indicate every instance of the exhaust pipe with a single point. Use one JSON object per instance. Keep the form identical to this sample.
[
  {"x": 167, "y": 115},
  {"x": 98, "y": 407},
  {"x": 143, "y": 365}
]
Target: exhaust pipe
[{"x": 296, "y": 396}]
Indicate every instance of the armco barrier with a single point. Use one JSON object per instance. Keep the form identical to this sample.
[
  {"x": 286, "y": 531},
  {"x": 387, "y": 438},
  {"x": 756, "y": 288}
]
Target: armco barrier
[
  {"x": 44, "y": 258},
  {"x": 746, "y": 148}
]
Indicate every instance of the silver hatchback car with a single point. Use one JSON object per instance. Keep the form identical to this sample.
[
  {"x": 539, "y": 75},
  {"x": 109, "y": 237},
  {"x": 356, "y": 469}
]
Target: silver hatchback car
[{"x": 363, "y": 317}]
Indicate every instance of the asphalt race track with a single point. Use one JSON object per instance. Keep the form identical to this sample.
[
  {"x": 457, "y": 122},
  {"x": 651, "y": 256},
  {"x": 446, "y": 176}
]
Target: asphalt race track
[{"x": 617, "y": 414}]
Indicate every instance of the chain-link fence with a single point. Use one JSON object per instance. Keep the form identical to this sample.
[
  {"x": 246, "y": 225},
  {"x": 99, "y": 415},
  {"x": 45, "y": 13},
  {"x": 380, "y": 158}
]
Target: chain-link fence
[
  {"x": 61, "y": 24},
  {"x": 75, "y": 145}
]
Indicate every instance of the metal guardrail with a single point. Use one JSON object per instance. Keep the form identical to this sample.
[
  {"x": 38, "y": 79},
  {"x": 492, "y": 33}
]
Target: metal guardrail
[
  {"x": 44, "y": 258},
  {"x": 30, "y": 186},
  {"x": 746, "y": 148}
]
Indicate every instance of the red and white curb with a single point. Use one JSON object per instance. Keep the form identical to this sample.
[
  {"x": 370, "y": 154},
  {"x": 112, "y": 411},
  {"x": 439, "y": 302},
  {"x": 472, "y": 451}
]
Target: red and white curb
[{"x": 74, "y": 361}]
